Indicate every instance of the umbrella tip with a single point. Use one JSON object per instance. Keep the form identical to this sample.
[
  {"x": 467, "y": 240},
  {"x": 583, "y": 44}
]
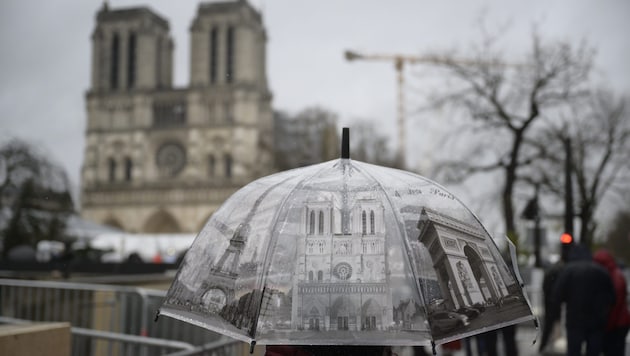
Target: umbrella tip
[{"x": 345, "y": 143}]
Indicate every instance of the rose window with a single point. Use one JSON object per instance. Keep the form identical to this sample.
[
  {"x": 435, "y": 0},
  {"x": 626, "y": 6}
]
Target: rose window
[{"x": 343, "y": 271}]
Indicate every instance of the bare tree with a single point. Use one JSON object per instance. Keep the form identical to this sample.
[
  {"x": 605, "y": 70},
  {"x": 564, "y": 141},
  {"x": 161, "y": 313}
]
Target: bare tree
[
  {"x": 368, "y": 145},
  {"x": 602, "y": 157},
  {"x": 504, "y": 99},
  {"x": 311, "y": 136},
  {"x": 34, "y": 196},
  {"x": 618, "y": 235},
  {"x": 308, "y": 137},
  {"x": 598, "y": 129}
]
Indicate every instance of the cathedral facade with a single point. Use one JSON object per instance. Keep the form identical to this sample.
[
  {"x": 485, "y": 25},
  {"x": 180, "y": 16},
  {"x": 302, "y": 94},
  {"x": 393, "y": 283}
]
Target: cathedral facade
[
  {"x": 162, "y": 159},
  {"x": 342, "y": 272}
]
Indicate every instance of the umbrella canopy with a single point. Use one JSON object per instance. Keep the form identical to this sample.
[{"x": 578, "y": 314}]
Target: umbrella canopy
[{"x": 345, "y": 253}]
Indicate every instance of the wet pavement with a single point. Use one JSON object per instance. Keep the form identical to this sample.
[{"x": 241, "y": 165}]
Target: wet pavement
[{"x": 526, "y": 334}]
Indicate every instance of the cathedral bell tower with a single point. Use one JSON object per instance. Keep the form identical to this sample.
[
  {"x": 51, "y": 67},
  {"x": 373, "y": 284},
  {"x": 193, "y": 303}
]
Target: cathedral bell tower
[
  {"x": 131, "y": 50},
  {"x": 160, "y": 159}
]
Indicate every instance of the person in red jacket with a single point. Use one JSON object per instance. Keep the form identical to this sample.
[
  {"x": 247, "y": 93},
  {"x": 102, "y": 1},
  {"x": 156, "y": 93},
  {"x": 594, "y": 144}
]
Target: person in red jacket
[{"x": 619, "y": 316}]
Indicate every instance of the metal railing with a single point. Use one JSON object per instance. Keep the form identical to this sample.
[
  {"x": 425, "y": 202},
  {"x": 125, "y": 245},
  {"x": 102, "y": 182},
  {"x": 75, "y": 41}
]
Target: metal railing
[
  {"x": 116, "y": 337},
  {"x": 108, "y": 320}
]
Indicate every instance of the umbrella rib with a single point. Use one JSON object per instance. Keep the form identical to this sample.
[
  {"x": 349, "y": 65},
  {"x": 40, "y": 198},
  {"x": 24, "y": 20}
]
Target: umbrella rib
[
  {"x": 259, "y": 200},
  {"x": 272, "y": 246},
  {"x": 272, "y": 242},
  {"x": 411, "y": 260}
]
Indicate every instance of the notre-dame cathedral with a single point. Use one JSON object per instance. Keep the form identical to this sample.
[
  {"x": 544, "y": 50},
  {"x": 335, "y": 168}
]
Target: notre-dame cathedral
[{"x": 160, "y": 159}]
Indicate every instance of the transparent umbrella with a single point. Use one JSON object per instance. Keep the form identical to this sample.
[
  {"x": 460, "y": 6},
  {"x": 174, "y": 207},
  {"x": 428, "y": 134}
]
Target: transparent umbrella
[{"x": 345, "y": 253}]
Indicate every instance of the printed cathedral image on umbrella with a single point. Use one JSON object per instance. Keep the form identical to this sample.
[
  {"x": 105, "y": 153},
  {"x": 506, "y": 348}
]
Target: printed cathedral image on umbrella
[{"x": 345, "y": 253}]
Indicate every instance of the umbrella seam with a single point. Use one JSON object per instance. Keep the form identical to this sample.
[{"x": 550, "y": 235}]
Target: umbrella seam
[
  {"x": 405, "y": 243},
  {"x": 248, "y": 218},
  {"x": 273, "y": 241}
]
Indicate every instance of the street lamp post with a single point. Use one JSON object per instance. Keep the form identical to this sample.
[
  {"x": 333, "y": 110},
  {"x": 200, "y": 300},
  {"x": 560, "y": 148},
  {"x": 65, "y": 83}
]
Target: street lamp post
[{"x": 532, "y": 213}]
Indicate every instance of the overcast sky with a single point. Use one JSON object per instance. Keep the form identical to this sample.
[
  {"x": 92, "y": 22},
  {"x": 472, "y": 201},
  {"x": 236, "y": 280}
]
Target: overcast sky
[{"x": 45, "y": 53}]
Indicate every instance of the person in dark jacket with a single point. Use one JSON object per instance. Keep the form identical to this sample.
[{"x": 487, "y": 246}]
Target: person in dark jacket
[
  {"x": 588, "y": 292},
  {"x": 619, "y": 316},
  {"x": 552, "y": 312}
]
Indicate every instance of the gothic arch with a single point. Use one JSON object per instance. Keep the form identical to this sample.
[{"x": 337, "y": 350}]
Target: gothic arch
[
  {"x": 480, "y": 272},
  {"x": 371, "y": 314},
  {"x": 315, "y": 320},
  {"x": 342, "y": 313},
  {"x": 311, "y": 223},
  {"x": 315, "y": 304},
  {"x": 161, "y": 222},
  {"x": 314, "y": 315}
]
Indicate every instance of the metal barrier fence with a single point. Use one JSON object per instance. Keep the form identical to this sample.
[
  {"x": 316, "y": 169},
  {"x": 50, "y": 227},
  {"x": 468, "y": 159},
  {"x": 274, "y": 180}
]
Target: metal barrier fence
[{"x": 108, "y": 320}]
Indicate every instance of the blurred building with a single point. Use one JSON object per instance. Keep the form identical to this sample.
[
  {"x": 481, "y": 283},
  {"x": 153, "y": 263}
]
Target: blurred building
[
  {"x": 162, "y": 159},
  {"x": 309, "y": 137}
]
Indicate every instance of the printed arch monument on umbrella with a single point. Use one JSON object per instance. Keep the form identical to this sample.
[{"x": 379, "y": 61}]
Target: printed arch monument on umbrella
[{"x": 345, "y": 253}]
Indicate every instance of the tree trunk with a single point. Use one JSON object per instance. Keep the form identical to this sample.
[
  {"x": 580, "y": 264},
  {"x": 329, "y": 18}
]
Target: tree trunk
[
  {"x": 586, "y": 222},
  {"x": 508, "y": 190}
]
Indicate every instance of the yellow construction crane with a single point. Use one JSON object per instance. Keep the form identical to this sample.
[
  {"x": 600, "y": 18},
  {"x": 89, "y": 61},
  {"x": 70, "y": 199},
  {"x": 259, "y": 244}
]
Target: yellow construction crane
[{"x": 399, "y": 63}]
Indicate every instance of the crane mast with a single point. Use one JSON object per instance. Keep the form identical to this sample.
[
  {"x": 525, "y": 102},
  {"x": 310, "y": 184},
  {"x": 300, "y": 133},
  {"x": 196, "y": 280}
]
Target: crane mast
[
  {"x": 399, "y": 61},
  {"x": 399, "y": 64}
]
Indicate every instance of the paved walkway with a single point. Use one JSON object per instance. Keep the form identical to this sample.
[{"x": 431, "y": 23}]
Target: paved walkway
[{"x": 525, "y": 335}]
